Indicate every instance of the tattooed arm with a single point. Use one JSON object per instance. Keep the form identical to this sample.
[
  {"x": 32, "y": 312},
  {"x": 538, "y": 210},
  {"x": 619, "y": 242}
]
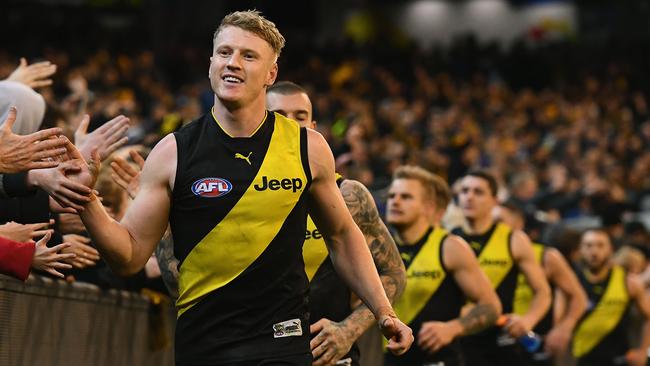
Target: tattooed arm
[
  {"x": 341, "y": 336},
  {"x": 168, "y": 264},
  {"x": 461, "y": 262}
]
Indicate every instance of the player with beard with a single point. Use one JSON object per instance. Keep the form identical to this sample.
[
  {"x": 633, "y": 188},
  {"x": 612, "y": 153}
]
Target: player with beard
[{"x": 601, "y": 336}]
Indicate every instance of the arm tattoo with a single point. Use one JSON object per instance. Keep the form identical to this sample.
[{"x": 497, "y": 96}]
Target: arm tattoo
[
  {"x": 480, "y": 317},
  {"x": 382, "y": 246},
  {"x": 168, "y": 264}
]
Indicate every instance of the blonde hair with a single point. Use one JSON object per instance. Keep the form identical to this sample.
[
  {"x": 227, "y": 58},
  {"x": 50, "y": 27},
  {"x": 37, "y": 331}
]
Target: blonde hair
[
  {"x": 253, "y": 21},
  {"x": 434, "y": 186}
]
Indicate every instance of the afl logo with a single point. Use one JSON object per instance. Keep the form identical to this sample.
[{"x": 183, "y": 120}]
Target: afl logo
[{"x": 211, "y": 187}]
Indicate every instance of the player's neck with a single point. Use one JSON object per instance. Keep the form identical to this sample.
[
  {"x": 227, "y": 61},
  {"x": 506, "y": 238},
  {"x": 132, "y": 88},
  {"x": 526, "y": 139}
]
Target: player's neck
[
  {"x": 478, "y": 225},
  {"x": 240, "y": 121},
  {"x": 598, "y": 274},
  {"x": 414, "y": 232}
]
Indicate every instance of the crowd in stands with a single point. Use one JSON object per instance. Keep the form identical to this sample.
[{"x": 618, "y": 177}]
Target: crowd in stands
[{"x": 566, "y": 130}]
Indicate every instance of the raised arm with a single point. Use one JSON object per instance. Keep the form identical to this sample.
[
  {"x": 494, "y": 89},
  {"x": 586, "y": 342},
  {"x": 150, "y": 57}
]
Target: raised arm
[
  {"x": 462, "y": 263},
  {"x": 341, "y": 336},
  {"x": 346, "y": 244},
  {"x": 524, "y": 256},
  {"x": 127, "y": 245},
  {"x": 560, "y": 274}
]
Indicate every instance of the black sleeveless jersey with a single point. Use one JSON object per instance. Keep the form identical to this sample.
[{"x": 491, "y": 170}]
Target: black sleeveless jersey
[
  {"x": 493, "y": 249},
  {"x": 601, "y": 336},
  {"x": 431, "y": 294},
  {"x": 238, "y": 216}
]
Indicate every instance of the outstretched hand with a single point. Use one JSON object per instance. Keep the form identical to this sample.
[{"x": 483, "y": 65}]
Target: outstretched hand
[
  {"x": 127, "y": 176},
  {"x": 50, "y": 259},
  {"x": 35, "y": 75},
  {"x": 106, "y": 139},
  {"x": 19, "y": 153}
]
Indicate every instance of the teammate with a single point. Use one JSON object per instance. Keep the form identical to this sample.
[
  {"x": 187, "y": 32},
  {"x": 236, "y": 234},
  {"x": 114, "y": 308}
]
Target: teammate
[
  {"x": 333, "y": 321},
  {"x": 601, "y": 336},
  {"x": 502, "y": 254},
  {"x": 561, "y": 277},
  {"x": 442, "y": 272},
  {"x": 235, "y": 186}
]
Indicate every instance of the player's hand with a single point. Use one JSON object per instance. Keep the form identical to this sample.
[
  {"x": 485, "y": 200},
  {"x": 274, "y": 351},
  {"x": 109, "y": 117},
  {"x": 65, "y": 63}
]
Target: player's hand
[
  {"x": 557, "y": 340},
  {"x": 399, "y": 335},
  {"x": 87, "y": 172},
  {"x": 435, "y": 335},
  {"x": 516, "y": 326},
  {"x": 636, "y": 357},
  {"x": 332, "y": 341}
]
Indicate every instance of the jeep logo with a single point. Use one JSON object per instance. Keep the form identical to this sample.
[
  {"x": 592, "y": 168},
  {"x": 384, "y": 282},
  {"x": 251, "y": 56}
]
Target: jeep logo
[
  {"x": 313, "y": 234},
  {"x": 293, "y": 184}
]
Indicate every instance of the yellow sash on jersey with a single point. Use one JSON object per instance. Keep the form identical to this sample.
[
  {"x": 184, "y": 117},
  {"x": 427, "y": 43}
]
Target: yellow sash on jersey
[
  {"x": 314, "y": 251},
  {"x": 605, "y": 316},
  {"x": 424, "y": 276},
  {"x": 524, "y": 293},
  {"x": 246, "y": 231},
  {"x": 495, "y": 259}
]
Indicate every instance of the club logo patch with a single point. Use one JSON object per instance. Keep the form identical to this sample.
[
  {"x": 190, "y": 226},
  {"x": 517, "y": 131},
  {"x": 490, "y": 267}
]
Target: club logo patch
[
  {"x": 211, "y": 187},
  {"x": 290, "y": 328}
]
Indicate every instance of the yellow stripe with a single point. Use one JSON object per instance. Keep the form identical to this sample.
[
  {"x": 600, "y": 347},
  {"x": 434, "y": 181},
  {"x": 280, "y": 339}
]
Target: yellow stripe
[
  {"x": 314, "y": 251},
  {"x": 424, "y": 276},
  {"x": 246, "y": 231},
  {"x": 266, "y": 114},
  {"x": 495, "y": 259},
  {"x": 605, "y": 316},
  {"x": 524, "y": 293}
]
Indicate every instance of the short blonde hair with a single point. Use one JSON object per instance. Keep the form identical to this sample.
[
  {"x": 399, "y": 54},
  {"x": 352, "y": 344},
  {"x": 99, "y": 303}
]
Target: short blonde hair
[
  {"x": 435, "y": 187},
  {"x": 253, "y": 21}
]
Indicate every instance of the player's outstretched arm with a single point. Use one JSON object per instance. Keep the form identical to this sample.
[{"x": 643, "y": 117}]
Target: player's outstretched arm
[{"x": 127, "y": 245}]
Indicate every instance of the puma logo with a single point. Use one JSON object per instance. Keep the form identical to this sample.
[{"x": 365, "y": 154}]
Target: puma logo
[{"x": 240, "y": 156}]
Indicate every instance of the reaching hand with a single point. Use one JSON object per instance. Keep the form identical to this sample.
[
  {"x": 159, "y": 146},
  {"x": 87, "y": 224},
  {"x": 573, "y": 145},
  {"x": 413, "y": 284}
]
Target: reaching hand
[
  {"x": 34, "y": 75},
  {"x": 106, "y": 139},
  {"x": 24, "y": 233},
  {"x": 70, "y": 224},
  {"x": 58, "y": 183},
  {"x": 125, "y": 175},
  {"x": 330, "y": 343},
  {"x": 49, "y": 259},
  {"x": 22, "y": 153},
  {"x": 85, "y": 255},
  {"x": 399, "y": 335},
  {"x": 87, "y": 170}
]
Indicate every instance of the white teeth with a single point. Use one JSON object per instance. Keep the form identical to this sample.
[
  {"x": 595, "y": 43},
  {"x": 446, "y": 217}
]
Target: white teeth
[{"x": 231, "y": 79}]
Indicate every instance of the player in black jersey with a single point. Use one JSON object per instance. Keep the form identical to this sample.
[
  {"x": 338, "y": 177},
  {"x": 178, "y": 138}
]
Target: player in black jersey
[
  {"x": 561, "y": 277},
  {"x": 601, "y": 336},
  {"x": 235, "y": 186},
  {"x": 442, "y": 272},
  {"x": 331, "y": 315},
  {"x": 502, "y": 254},
  {"x": 334, "y": 322}
]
